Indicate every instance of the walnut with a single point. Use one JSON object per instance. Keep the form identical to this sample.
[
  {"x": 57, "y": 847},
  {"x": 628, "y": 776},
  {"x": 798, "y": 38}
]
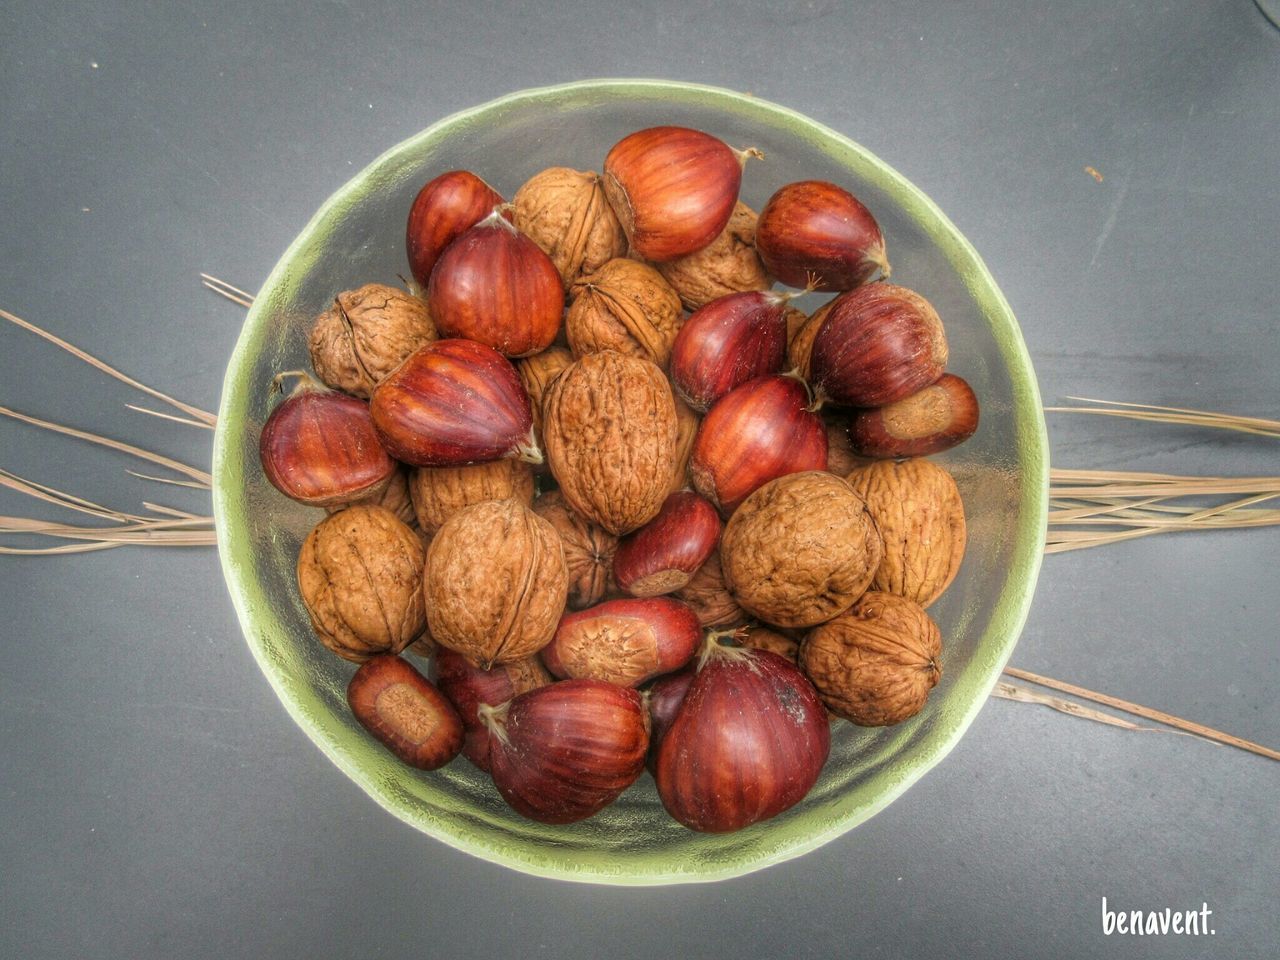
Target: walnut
[
  {"x": 710, "y": 598},
  {"x": 800, "y": 343},
  {"x": 841, "y": 460},
  {"x": 800, "y": 549},
  {"x": 624, "y": 306},
  {"x": 609, "y": 426},
  {"x": 729, "y": 264},
  {"x": 365, "y": 335},
  {"x": 588, "y": 549},
  {"x": 918, "y": 511},
  {"x": 394, "y": 496},
  {"x": 686, "y": 432},
  {"x": 360, "y": 577},
  {"x": 762, "y": 638},
  {"x": 536, "y": 373},
  {"x": 875, "y": 664},
  {"x": 440, "y": 492},
  {"x": 495, "y": 583},
  {"x": 565, "y": 213}
]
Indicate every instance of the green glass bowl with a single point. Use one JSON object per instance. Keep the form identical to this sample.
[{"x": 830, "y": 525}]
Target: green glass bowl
[{"x": 358, "y": 237}]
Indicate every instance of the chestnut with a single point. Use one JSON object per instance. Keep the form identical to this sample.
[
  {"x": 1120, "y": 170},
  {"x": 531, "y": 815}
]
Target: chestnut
[
  {"x": 444, "y": 209},
  {"x": 748, "y": 741},
  {"x": 879, "y": 344},
  {"x": 624, "y": 641},
  {"x": 451, "y": 403},
  {"x": 757, "y": 432},
  {"x": 728, "y": 342},
  {"x": 467, "y": 687},
  {"x": 408, "y": 715},
  {"x": 495, "y": 286},
  {"x": 663, "y": 698},
  {"x": 673, "y": 189},
  {"x": 664, "y": 554},
  {"x": 814, "y": 233},
  {"x": 931, "y": 420},
  {"x": 319, "y": 446},
  {"x": 564, "y": 752}
]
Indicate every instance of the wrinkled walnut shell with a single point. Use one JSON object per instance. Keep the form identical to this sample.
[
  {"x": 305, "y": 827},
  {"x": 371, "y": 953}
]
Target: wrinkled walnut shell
[
  {"x": 687, "y": 421},
  {"x": 394, "y": 496},
  {"x": 360, "y": 578},
  {"x": 588, "y": 549},
  {"x": 366, "y": 334},
  {"x": 920, "y": 516},
  {"x": 624, "y": 306},
  {"x": 536, "y": 373},
  {"x": 710, "y": 598},
  {"x": 800, "y": 549},
  {"x": 495, "y": 583},
  {"x": 729, "y": 264},
  {"x": 440, "y": 492},
  {"x": 609, "y": 425},
  {"x": 875, "y": 664},
  {"x": 565, "y": 212}
]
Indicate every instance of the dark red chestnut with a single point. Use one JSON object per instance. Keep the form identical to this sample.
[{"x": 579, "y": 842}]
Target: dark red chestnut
[
  {"x": 813, "y": 232},
  {"x": 624, "y": 641},
  {"x": 748, "y": 741},
  {"x": 664, "y": 554},
  {"x": 467, "y": 687},
  {"x": 664, "y": 697},
  {"x": 494, "y": 285},
  {"x": 728, "y": 342},
  {"x": 444, "y": 209},
  {"x": 454, "y": 402},
  {"x": 409, "y": 716},
  {"x": 934, "y": 419},
  {"x": 879, "y": 344},
  {"x": 672, "y": 188},
  {"x": 564, "y": 752},
  {"x": 319, "y": 446},
  {"x": 757, "y": 432}
]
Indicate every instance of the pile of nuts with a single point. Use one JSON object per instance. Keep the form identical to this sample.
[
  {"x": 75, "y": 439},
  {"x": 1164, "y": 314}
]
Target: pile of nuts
[{"x": 622, "y": 535}]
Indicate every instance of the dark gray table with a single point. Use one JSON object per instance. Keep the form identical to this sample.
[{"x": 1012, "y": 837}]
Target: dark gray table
[{"x": 157, "y": 801}]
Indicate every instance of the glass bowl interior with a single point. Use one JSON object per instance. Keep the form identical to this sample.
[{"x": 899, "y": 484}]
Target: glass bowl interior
[{"x": 358, "y": 237}]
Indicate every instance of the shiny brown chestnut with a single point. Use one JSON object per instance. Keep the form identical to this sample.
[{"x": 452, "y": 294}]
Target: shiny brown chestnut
[
  {"x": 815, "y": 233},
  {"x": 931, "y": 420},
  {"x": 673, "y": 189},
  {"x": 663, "y": 698},
  {"x": 454, "y": 402},
  {"x": 467, "y": 687},
  {"x": 748, "y": 741},
  {"x": 624, "y": 641},
  {"x": 757, "y": 432},
  {"x": 728, "y": 342},
  {"x": 408, "y": 715},
  {"x": 664, "y": 554},
  {"x": 879, "y": 344},
  {"x": 319, "y": 446},
  {"x": 495, "y": 286},
  {"x": 564, "y": 752},
  {"x": 444, "y": 209}
]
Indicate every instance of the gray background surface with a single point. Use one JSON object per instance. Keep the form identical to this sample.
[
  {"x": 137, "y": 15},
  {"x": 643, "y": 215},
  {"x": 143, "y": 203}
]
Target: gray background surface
[{"x": 155, "y": 799}]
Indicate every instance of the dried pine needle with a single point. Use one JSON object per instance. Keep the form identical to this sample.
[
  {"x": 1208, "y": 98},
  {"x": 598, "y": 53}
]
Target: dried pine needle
[
  {"x": 1175, "y": 415},
  {"x": 224, "y": 289}
]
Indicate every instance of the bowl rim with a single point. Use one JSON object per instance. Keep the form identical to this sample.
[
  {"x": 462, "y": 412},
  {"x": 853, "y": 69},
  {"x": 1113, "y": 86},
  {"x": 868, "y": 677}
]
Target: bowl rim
[{"x": 997, "y": 642}]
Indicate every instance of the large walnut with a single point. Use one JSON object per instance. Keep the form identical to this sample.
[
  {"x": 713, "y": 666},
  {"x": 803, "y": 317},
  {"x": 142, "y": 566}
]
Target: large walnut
[
  {"x": 360, "y": 577},
  {"x": 588, "y": 549},
  {"x": 800, "y": 549},
  {"x": 687, "y": 421},
  {"x": 565, "y": 213},
  {"x": 440, "y": 492},
  {"x": 624, "y": 306},
  {"x": 609, "y": 425},
  {"x": 729, "y": 264},
  {"x": 495, "y": 583},
  {"x": 875, "y": 664},
  {"x": 801, "y": 337},
  {"x": 536, "y": 373},
  {"x": 366, "y": 334},
  {"x": 710, "y": 599},
  {"x": 918, "y": 511}
]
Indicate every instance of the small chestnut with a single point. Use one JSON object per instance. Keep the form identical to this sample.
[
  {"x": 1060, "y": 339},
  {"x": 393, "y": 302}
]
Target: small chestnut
[
  {"x": 624, "y": 641},
  {"x": 664, "y": 554},
  {"x": 444, "y": 209},
  {"x": 931, "y": 420},
  {"x": 467, "y": 687},
  {"x": 814, "y": 233},
  {"x": 408, "y": 715}
]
